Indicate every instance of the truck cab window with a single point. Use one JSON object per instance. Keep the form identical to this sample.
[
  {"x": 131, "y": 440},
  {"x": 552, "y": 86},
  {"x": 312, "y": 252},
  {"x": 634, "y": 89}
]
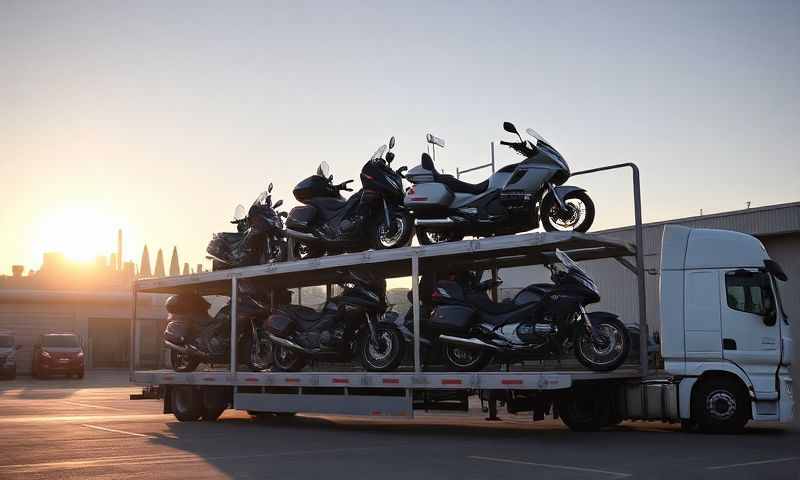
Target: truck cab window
[{"x": 748, "y": 291}]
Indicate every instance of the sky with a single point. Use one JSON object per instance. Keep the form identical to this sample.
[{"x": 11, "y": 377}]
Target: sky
[{"x": 160, "y": 117}]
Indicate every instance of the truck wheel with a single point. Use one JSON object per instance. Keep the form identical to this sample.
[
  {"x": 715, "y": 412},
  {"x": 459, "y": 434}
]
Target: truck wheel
[
  {"x": 585, "y": 411},
  {"x": 187, "y": 403},
  {"x": 720, "y": 405},
  {"x": 215, "y": 401},
  {"x": 386, "y": 355}
]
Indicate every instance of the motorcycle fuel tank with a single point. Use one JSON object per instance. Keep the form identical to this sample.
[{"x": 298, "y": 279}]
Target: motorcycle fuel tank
[{"x": 427, "y": 195}]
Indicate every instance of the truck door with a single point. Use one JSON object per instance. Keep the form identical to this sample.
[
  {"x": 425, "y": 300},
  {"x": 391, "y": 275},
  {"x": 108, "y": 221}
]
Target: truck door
[{"x": 750, "y": 332}]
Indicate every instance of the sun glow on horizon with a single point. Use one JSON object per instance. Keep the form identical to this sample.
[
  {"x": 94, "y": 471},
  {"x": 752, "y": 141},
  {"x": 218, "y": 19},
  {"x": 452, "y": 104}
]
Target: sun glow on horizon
[{"x": 81, "y": 233}]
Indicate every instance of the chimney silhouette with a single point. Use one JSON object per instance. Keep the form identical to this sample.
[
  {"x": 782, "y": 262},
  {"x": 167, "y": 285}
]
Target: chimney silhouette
[
  {"x": 199, "y": 268},
  {"x": 144, "y": 266},
  {"x": 119, "y": 250},
  {"x": 159, "y": 264},
  {"x": 174, "y": 264},
  {"x": 186, "y": 270}
]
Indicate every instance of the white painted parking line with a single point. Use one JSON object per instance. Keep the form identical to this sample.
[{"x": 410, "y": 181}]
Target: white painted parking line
[
  {"x": 92, "y": 406},
  {"x": 757, "y": 462},
  {"x": 549, "y": 465},
  {"x": 116, "y": 431}
]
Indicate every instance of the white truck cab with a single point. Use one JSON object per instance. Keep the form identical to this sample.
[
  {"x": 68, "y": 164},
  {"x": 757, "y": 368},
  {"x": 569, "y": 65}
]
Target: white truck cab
[{"x": 724, "y": 335}]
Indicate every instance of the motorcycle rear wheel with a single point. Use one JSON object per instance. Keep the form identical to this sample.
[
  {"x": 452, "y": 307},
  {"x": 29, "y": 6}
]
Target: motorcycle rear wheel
[
  {"x": 182, "y": 362},
  {"x": 465, "y": 359},
  {"x": 285, "y": 359},
  {"x": 607, "y": 352},
  {"x": 580, "y": 218},
  {"x": 427, "y": 237}
]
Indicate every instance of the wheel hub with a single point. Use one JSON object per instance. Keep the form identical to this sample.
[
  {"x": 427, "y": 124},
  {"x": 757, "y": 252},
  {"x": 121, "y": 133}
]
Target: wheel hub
[
  {"x": 721, "y": 405},
  {"x": 391, "y": 235}
]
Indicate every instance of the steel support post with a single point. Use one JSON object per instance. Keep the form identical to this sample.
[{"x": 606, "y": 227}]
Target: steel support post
[
  {"x": 132, "y": 353},
  {"x": 234, "y": 320},
  {"x": 415, "y": 306},
  {"x": 640, "y": 275},
  {"x": 495, "y": 293}
]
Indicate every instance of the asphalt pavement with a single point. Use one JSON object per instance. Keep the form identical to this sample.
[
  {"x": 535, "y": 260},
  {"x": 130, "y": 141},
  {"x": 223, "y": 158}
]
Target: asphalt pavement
[{"x": 89, "y": 429}]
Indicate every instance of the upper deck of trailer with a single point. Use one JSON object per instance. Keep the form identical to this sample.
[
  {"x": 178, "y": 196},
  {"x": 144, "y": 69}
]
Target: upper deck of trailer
[{"x": 500, "y": 252}]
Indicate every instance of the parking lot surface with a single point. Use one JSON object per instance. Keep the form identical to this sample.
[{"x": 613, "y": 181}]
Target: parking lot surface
[{"x": 75, "y": 429}]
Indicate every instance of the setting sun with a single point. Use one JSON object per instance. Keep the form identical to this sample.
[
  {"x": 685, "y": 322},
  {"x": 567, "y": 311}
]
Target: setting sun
[{"x": 81, "y": 233}]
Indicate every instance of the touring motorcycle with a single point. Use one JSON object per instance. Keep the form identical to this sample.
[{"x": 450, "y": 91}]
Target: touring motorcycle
[
  {"x": 512, "y": 200},
  {"x": 259, "y": 238},
  {"x": 373, "y": 217},
  {"x": 194, "y": 337},
  {"x": 349, "y": 325},
  {"x": 542, "y": 321}
]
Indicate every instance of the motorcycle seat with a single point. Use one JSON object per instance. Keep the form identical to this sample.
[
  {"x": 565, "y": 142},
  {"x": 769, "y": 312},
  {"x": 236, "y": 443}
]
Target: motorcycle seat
[
  {"x": 452, "y": 182},
  {"x": 485, "y": 304},
  {"x": 305, "y": 317},
  {"x": 328, "y": 206}
]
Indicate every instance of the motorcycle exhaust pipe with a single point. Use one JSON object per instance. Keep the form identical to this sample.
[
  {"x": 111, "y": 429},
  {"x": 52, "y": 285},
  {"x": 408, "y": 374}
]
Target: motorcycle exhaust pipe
[
  {"x": 287, "y": 343},
  {"x": 301, "y": 235},
  {"x": 467, "y": 342},
  {"x": 433, "y": 222}
]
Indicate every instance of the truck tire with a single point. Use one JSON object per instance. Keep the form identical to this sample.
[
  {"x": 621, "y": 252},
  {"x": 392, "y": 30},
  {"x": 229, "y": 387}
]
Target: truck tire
[
  {"x": 586, "y": 410},
  {"x": 720, "y": 405},
  {"x": 215, "y": 401},
  {"x": 187, "y": 403}
]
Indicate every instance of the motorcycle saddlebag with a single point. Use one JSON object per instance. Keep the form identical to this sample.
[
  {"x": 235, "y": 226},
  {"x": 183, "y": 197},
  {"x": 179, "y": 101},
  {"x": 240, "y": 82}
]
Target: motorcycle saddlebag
[
  {"x": 280, "y": 324},
  {"x": 427, "y": 195},
  {"x": 452, "y": 318},
  {"x": 176, "y": 332},
  {"x": 300, "y": 218}
]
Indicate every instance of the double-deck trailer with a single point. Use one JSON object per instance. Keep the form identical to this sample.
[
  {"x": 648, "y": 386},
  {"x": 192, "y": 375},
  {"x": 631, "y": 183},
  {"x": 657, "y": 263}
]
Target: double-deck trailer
[{"x": 725, "y": 361}]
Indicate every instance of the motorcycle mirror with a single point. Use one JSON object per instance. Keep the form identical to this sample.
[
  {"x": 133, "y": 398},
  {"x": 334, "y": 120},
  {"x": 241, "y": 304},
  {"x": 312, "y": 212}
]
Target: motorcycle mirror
[
  {"x": 269, "y": 188},
  {"x": 389, "y": 157},
  {"x": 278, "y": 204},
  {"x": 510, "y": 128},
  {"x": 284, "y": 214},
  {"x": 330, "y": 178},
  {"x": 391, "y": 143}
]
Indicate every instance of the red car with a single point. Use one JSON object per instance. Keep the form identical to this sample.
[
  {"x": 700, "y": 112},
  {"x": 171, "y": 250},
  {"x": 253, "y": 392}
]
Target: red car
[{"x": 58, "y": 353}]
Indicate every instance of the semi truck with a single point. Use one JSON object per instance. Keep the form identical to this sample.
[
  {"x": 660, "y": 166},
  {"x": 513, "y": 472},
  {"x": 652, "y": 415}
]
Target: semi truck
[{"x": 724, "y": 340}]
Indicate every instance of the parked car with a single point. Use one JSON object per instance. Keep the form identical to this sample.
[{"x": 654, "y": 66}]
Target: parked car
[
  {"x": 8, "y": 356},
  {"x": 58, "y": 353}
]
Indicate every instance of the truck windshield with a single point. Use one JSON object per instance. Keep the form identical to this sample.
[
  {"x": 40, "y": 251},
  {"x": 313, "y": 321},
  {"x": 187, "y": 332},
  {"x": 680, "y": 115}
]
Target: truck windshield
[
  {"x": 60, "y": 341},
  {"x": 6, "y": 341}
]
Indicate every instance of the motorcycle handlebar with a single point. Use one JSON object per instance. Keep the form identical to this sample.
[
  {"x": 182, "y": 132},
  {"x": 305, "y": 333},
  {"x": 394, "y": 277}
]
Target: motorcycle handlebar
[{"x": 508, "y": 144}]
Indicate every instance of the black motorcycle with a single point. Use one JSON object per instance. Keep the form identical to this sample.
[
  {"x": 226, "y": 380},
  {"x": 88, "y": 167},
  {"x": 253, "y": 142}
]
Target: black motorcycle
[
  {"x": 194, "y": 337},
  {"x": 542, "y": 321},
  {"x": 259, "y": 238},
  {"x": 373, "y": 217},
  {"x": 349, "y": 325}
]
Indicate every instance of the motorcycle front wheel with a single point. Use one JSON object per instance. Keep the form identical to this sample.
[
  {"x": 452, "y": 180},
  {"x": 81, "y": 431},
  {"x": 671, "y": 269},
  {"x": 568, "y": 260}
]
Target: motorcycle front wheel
[
  {"x": 256, "y": 361},
  {"x": 427, "y": 237},
  {"x": 183, "y": 362},
  {"x": 285, "y": 359},
  {"x": 579, "y": 218},
  {"x": 384, "y": 355},
  {"x": 607, "y": 350},
  {"x": 465, "y": 359},
  {"x": 397, "y": 234}
]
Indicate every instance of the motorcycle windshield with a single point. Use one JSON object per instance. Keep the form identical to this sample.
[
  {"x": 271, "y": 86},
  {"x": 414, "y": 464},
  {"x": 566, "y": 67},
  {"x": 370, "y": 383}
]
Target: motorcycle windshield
[
  {"x": 544, "y": 144},
  {"x": 575, "y": 269},
  {"x": 323, "y": 170},
  {"x": 262, "y": 199},
  {"x": 239, "y": 213},
  {"x": 379, "y": 152}
]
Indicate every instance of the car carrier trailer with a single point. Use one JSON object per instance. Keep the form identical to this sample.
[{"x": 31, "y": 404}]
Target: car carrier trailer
[{"x": 707, "y": 380}]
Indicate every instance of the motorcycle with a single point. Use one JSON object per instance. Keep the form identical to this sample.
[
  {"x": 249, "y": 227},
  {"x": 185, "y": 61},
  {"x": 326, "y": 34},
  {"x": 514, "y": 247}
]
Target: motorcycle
[
  {"x": 194, "y": 337},
  {"x": 373, "y": 217},
  {"x": 541, "y": 322},
  {"x": 512, "y": 200},
  {"x": 348, "y": 325},
  {"x": 259, "y": 238}
]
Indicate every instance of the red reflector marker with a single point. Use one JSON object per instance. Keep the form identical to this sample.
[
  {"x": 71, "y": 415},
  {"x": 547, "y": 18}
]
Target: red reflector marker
[
  {"x": 250, "y": 379},
  {"x": 511, "y": 382},
  {"x": 341, "y": 380},
  {"x": 208, "y": 379},
  {"x": 451, "y": 381},
  {"x": 292, "y": 380},
  {"x": 391, "y": 380}
]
